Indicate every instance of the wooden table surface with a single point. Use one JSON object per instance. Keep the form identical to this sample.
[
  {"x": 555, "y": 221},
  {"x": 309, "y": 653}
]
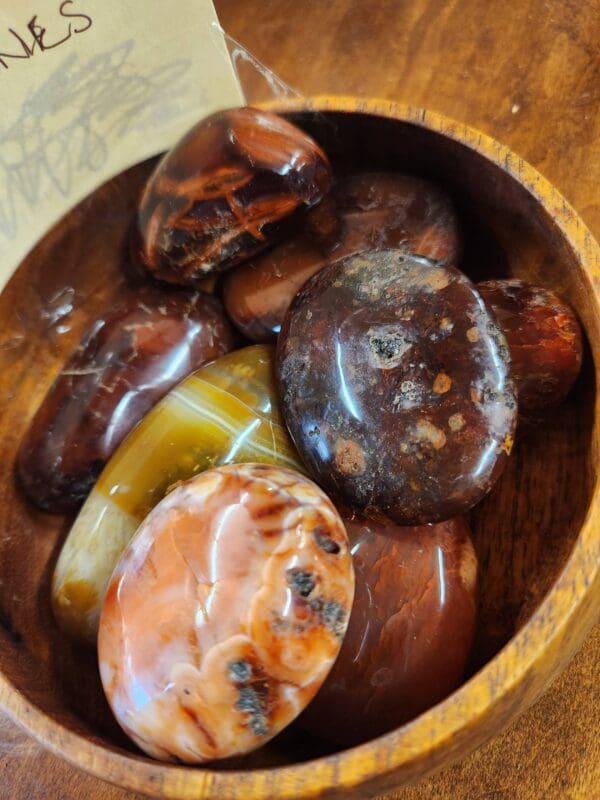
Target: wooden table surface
[{"x": 528, "y": 73}]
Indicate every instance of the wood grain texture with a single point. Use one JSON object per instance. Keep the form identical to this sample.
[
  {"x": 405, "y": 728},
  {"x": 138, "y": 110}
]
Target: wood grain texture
[
  {"x": 527, "y": 762},
  {"x": 467, "y": 59}
]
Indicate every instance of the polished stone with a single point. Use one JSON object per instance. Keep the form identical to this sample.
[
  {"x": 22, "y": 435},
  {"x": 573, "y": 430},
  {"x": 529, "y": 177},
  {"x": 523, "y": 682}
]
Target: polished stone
[
  {"x": 364, "y": 212},
  {"x": 246, "y": 575},
  {"x": 225, "y": 412},
  {"x": 395, "y": 388},
  {"x": 411, "y": 629},
  {"x": 129, "y": 359},
  {"x": 544, "y": 338},
  {"x": 225, "y": 192}
]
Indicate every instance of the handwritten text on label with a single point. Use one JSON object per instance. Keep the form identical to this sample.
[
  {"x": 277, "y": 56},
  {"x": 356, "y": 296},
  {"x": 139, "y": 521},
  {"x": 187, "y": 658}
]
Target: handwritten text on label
[{"x": 39, "y": 39}]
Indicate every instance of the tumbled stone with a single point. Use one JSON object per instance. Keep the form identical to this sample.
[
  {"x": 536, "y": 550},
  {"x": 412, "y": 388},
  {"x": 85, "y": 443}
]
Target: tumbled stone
[
  {"x": 544, "y": 339},
  {"x": 365, "y": 212},
  {"x": 224, "y": 192},
  {"x": 225, "y": 412},
  {"x": 395, "y": 388},
  {"x": 248, "y": 612},
  {"x": 257, "y": 294},
  {"x": 386, "y": 210},
  {"x": 129, "y": 359},
  {"x": 411, "y": 629}
]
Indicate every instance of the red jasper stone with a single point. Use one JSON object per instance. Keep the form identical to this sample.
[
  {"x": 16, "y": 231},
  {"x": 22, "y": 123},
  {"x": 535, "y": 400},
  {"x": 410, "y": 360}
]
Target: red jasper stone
[
  {"x": 544, "y": 339},
  {"x": 395, "y": 389},
  {"x": 224, "y": 191},
  {"x": 411, "y": 629},
  {"x": 366, "y": 212},
  {"x": 257, "y": 294},
  {"x": 128, "y": 361},
  {"x": 391, "y": 211}
]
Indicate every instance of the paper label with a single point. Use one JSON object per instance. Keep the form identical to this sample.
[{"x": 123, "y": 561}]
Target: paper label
[{"x": 89, "y": 88}]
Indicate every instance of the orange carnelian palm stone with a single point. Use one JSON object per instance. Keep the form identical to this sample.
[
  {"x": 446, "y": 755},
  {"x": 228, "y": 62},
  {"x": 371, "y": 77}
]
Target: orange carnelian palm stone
[{"x": 226, "y": 612}]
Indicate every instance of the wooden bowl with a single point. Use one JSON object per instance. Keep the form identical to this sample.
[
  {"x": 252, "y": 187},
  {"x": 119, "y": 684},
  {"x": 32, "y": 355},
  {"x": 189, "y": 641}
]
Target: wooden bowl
[{"x": 537, "y": 533}]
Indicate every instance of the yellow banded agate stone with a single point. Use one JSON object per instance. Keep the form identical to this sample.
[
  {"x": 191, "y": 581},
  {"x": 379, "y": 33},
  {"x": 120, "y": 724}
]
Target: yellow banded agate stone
[{"x": 224, "y": 413}]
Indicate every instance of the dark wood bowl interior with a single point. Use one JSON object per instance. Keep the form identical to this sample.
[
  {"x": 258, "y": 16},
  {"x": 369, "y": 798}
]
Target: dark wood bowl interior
[{"x": 524, "y": 531}]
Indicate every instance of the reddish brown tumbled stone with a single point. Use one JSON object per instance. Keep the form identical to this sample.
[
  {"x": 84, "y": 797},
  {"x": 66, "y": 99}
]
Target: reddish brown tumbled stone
[
  {"x": 224, "y": 191},
  {"x": 127, "y": 362},
  {"x": 258, "y": 293},
  {"x": 411, "y": 629},
  {"x": 392, "y": 211},
  {"x": 395, "y": 389},
  {"x": 365, "y": 212},
  {"x": 544, "y": 338}
]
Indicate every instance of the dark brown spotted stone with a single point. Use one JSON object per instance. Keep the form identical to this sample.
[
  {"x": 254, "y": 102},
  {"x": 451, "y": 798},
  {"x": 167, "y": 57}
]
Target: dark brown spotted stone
[
  {"x": 223, "y": 193},
  {"x": 395, "y": 388}
]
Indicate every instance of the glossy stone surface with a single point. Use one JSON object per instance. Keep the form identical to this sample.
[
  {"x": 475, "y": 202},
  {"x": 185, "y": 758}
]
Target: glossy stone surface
[
  {"x": 411, "y": 629},
  {"x": 544, "y": 338},
  {"x": 246, "y": 575},
  {"x": 223, "y": 192},
  {"x": 127, "y": 361},
  {"x": 366, "y": 211},
  {"x": 395, "y": 388},
  {"x": 257, "y": 294},
  {"x": 392, "y": 211},
  {"x": 226, "y": 412}
]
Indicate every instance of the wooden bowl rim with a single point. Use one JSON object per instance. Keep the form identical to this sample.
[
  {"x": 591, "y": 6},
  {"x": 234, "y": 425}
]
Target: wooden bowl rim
[{"x": 578, "y": 584}]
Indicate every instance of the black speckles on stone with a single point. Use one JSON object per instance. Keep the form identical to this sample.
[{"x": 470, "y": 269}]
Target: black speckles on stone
[
  {"x": 258, "y": 726},
  {"x": 489, "y": 395},
  {"x": 301, "y": 582},
  {"x": 251, "y": 702},
  {"x": 332, "y": 615},
  {"x": 385, "y": 347},
  {"x": 240, "y": 671},
  {"x": 325, "y": 542}
]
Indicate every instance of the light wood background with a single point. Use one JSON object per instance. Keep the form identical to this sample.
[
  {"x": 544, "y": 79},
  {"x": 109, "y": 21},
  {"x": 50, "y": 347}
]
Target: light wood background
[{"x": 528, "y": 73}]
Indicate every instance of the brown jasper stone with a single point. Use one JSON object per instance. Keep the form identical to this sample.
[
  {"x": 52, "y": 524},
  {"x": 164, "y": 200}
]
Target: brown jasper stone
[
  {"x": 395, "y": 389},
  {"x": 127, "y": 362},
  {"x": 246, "y": 576},
  {"x": 222, "y": 193},
  {"x": 411, "y": 629},
  {"x": 367, "y": 211},
  {"x": 544, "y": 338}
]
